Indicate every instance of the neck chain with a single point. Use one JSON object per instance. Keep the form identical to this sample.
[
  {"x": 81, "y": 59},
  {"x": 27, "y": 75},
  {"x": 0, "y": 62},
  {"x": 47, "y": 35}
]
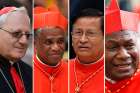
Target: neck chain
[
  {"x": 78, "y": 86},
  {"x": 51, "y": 77},
  {"x": 7, "y": 81},
  {"x": 123, "y": 86}
]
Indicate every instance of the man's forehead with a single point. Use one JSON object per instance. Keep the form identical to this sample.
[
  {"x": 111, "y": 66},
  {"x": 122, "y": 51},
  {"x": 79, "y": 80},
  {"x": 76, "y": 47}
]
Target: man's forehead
[
  {"x": 51, "y": 31},
  {"x": 122, "y": 35},
  {"x": 90, "y": 18},
  {"x": 17, "y": 18},
  {"x": 47, "y": 28},
  {"x": 52, "y": 37},
  {"x": 17, "y": 14},
  {"x": 88, "y": 21}
]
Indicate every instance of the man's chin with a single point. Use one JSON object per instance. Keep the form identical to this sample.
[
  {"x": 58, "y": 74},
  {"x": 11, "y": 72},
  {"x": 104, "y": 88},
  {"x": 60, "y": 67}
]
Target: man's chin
[
  {"x": 83, "y": 54},
  {"x": 55, "y": 62},
  {"x": 123, "y": 76},
  {"x": 17, "y": 57}
]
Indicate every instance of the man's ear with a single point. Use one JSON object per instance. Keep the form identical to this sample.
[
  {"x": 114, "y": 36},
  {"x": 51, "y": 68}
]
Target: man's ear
[
  {"x": 71, "y": 38},
  {"x": 72, "y": 43},
  {"x": 35, "y": 42}
]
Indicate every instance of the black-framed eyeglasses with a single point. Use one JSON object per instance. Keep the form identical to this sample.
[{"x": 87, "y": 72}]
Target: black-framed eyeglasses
[{"x": 18, "y": 34}]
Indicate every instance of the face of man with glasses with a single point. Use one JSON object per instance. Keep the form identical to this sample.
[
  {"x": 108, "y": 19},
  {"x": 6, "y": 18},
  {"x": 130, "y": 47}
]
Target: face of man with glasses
[
  {"x": 87, "y": 39},
  {"x": 14, "y": 36}
]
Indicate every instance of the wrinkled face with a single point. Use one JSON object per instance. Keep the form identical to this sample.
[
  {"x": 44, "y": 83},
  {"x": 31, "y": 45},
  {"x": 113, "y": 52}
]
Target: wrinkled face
[
  {"x": 50, "y": 45},
  {"x": 14, "y": 40},
  {"x": 121, "y": 55},
  {"x": 87, "y": 39}
]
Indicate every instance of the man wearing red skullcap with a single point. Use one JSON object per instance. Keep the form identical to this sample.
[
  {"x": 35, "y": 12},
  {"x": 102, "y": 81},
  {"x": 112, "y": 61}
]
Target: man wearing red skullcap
[
  {"x": 87, "y": 68},
  {"x": 121, "y": 51},
  {"x": 15, "y": 75},
  {"x": 50, "y": 70}
]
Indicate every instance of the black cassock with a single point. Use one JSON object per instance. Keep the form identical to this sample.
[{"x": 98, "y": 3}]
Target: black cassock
[{"x": 26, "y": 73}]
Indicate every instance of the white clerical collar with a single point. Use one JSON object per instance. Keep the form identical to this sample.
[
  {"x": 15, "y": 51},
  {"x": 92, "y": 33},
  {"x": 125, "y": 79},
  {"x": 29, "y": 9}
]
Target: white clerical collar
[
  {"x": 11, "y": 62},
  {"x": 46, "y": 64},
  {"x": 110, "y": 80}
]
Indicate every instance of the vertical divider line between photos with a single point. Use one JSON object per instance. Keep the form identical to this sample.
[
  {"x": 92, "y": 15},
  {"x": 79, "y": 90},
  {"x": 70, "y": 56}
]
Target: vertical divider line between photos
[
  {"x": 104, "y": 43},
  {"x": 68, "y": 38},
  {"x": 138, "y": 40},
  {"x": 32, "y": 46}
]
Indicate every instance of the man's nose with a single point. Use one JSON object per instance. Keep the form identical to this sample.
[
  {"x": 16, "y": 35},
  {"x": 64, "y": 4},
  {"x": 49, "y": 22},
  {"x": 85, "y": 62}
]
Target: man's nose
[
  {"x": 123, "y": 53},
  {"x": 23, "y": 39},
  {"x": 55, "y": 46},
  {"x": 83, "y": 38}
]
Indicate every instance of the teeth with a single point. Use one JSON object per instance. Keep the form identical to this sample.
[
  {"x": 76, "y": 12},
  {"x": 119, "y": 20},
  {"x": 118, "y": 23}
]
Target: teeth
[{"x": 123, "y": 65}]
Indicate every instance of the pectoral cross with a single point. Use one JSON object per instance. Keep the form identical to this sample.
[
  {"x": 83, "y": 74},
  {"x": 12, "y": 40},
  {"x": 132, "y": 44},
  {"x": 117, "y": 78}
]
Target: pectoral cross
[
  {"x": 51, "y": 78},
  {"x": 77, "y": 89}
]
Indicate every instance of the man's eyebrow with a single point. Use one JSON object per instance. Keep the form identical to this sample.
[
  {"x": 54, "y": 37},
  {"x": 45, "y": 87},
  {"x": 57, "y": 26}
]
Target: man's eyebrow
[
  {"x": 130, "y": 41},
  {"x": 111, "y": 40},
  {"x": 76, "y": 28}
]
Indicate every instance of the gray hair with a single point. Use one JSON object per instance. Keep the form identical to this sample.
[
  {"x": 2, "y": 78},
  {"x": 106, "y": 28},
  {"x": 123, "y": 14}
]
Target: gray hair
[{"x": 5, "y": 16}]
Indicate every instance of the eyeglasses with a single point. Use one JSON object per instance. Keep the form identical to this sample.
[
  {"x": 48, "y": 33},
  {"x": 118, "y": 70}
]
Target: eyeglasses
[
  {"x": 18, "y": 34},
  {"x": 88, "y": 34}
]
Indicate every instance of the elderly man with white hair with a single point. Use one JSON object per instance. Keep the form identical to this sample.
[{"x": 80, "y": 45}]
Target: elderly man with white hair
[{"x": 15, "y": 75}]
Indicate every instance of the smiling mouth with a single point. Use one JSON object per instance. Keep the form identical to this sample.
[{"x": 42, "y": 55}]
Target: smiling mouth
[
  {"x": 55, "y": 55},
  {"x": 20, "y": 49},
  {"x": 123, "y": 66}
]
